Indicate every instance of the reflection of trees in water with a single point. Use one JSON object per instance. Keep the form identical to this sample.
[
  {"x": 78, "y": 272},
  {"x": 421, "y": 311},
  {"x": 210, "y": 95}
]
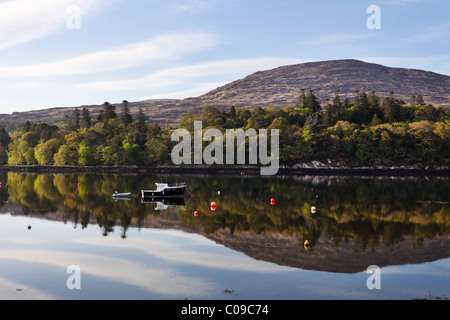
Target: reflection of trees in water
[
  {"x": 367, "y": 211},
  {"x": 81, "y": 199}
]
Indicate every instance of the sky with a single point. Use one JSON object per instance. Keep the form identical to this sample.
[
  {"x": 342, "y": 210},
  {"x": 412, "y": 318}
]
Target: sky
[{"x": 67, "y": 53}]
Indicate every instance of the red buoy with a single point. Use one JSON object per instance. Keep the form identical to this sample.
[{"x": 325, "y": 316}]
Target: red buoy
[
  {"x": 313, "y": 209},
  {"x": 195, "y": 213},
  {"x": 272, "y": 201},
  {"x": 213, "y": 206}
]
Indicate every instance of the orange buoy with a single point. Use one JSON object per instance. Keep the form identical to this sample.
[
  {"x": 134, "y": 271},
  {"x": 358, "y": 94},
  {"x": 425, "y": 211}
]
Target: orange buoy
[
  {"x": 313, "y": 209},
  {"x": 306, "y": 244}
]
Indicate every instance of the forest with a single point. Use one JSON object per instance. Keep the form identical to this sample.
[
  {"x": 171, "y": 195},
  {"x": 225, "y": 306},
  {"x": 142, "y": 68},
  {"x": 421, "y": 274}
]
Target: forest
[{"x": 365, "y": 130}]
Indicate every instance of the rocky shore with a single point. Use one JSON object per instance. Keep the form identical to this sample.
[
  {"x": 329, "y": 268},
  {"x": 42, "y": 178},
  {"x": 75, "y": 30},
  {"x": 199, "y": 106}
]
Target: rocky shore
[{"x": 313, "y": 168}]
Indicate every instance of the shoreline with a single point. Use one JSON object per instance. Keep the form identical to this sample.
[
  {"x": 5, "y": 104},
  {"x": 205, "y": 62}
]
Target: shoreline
[{"x": 231, "y": 170}]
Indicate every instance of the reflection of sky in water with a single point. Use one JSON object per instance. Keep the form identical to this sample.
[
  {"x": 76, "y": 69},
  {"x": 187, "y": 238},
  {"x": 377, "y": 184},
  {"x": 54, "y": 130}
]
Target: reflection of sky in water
[{"x": 168, "y": 264}]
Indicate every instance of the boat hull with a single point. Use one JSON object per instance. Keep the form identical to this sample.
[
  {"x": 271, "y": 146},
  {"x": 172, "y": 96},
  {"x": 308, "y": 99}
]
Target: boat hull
[
  {"x": 121, "y": 195},
  {"x": 168, "y": 192}
]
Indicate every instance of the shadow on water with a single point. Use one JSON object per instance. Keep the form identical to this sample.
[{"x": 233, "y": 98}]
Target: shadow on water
[{"x": 357, "y": 221}]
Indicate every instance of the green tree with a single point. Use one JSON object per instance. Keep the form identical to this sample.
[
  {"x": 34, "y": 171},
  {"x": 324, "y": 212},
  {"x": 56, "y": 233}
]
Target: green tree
[
  {"x": 85, "y": 155},
  {"x": 131, "y": 150},
  {"x": 27, "y": 126},
  {"x": 391, "y": 109},
  {"x": 125, "y": 115},
  {"x": 333, "y": 112},
  {"x": 45, "y": 151},
  {"x": 364, "y": 109},
  {"x": 258, "y": 119},
  {"x": 413, "y": 101},
  {"x": 158, "y": 151},
  {"x": 108, "y": 112},
  {"x": 374, "y": 104},
  {"x": 309, "y": 102},
  {"x": 86, "y": 120},
  {"x": 77, "y": 116},
  {"x": 375, "y": 120},
  {"x": 361, "y": 110},
  {"x": 232, "y": 113},
  {"x": 420, "y": 101},
  {"x": 112, "y": 153},
  {"x": 363, "y": 150},
  {"x": 5, "y": 139},
  {"x": 66, "y": 156},
  {"x": 16, "y": 150},
  {"x": 142, "y": 128}
]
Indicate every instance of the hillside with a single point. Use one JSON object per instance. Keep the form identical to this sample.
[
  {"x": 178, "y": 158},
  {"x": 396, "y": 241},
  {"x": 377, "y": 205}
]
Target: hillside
[{"x": 281, "y": 87}]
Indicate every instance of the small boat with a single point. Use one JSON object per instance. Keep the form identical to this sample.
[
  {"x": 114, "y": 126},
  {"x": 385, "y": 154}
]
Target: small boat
[
  {"x": 165, "y": 190},
  {"x": 121, "y": 195}
]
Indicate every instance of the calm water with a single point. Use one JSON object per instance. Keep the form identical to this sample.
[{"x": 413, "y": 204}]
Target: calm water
[{"x": 248, "y": 248}]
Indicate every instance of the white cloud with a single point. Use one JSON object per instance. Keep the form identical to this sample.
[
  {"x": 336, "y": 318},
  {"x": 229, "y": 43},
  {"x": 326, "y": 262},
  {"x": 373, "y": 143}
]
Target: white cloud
[
  {"x": 26, "y": 20},
  {"x": 178, "y": 75},
  {"x": 162, "y": 281},
  {"x": 162, "y": 47},
  {"x": 25, "y": 85},
  {"x": 190, "y": 249}
]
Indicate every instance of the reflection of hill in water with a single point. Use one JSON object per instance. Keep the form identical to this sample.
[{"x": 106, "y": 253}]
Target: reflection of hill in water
[
  {"x": 327, "y": 256},
  {"x": 360, "y": 222},
  {"x": 288, "y": 250}
]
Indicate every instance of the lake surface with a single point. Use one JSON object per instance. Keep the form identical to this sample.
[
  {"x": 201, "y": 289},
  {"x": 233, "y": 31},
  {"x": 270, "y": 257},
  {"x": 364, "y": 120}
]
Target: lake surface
[{"x": 62, "y": 236}]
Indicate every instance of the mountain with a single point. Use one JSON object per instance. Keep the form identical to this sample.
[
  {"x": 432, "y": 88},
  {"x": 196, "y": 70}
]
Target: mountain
[{"x": 281, "y": 87}]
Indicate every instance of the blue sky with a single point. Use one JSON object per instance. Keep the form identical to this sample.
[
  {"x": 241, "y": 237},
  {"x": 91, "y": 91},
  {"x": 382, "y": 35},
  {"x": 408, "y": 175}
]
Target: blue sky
[{"x": 63, "y": 53}]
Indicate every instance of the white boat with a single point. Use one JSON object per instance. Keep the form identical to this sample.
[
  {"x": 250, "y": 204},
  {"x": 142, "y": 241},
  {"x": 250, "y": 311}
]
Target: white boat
[
  {"x": 165, "y": 190},
  {"x": 121, "y": 195}
]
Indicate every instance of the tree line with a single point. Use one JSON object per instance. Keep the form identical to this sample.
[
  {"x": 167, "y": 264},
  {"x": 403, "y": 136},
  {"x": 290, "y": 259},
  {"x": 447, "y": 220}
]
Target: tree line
[
  {"x": 113, "y": 138},
  {"x": 363, "y": 131}
]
